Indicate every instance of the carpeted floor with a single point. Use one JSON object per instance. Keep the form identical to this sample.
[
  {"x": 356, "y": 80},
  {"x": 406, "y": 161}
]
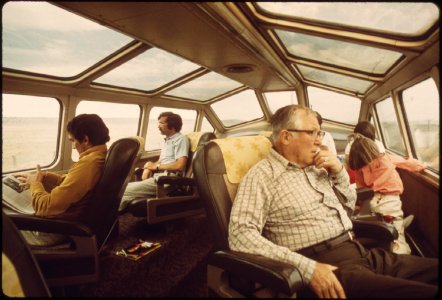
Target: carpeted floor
[{"x": 176, "y": 269}]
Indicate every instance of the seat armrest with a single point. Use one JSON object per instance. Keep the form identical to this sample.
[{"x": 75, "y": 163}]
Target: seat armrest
[
  {"x": 272, "y": 274},
  {"x": 363, "y": 194},
  {"x": 175, "y": 180},
  {"x": 137, "y": 207},
  {"x": 374, "y": 227},
  {"x": 51, "y": 225}
]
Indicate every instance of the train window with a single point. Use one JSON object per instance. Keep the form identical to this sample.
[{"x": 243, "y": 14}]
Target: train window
[
  {"x": 276, "y": 100},
  {"x": 31, "y": 128},
  {"x": 421, "y": 104},
  {"x": 333, "y": 79},
  {"x": 206, "y": 126},
  {"x": 386, "y": 17},
  {"x": 239, "y": 108},
  {"x": 148, "y": 71},
  {"x": 389, "y": 126},
  {"x": 345, "y": 54},
  {"x": 205, "y": 87},
  {"x": 320, "y": 100},
  {"x": 121, "y": 119},
  {"x": 154, "y": 138},
  {"x": 42, "y": 38}
]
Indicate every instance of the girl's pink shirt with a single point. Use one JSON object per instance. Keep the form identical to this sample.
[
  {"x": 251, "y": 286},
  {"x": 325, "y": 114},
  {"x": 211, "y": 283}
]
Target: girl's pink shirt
[{"x": 381, "y": 176}]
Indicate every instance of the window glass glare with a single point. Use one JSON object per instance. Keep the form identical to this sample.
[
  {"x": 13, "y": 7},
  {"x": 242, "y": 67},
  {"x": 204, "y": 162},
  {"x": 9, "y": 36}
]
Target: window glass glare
[
  {"x": 421, "y": 103},
  {"x": 277, "y": 100},
  {"x": 239, "y": 108},
  {"x": 121, "y": 119},
  {"x": 42, "y": 38},
  {"x": 30, "y": 130},
  {"x": 333, "y": 79},
  {"x": 325, "y": 102},
  {"x": 344, "y": 54},
  {"x": 383, "y": 16},
  {"x": 148, "y": 71},
  {"x": 206, "y": 126},
  {"x": 154, "y": 138},
  {"x": 389, "y": 126},
  {"x": 205, "y": 87}
]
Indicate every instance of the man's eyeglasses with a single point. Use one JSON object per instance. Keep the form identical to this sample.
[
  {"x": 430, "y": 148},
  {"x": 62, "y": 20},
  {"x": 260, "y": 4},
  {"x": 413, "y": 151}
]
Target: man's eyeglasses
[{"x": 314, "y": 133}]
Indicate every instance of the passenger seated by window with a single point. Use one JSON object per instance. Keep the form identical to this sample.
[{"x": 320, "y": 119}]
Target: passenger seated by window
[
  {"x": 173, "y": 159},
  {"x": 286, "y": 209},
  {"x": 327, "y": 140},
  {"x": 60, "y": 196},
  {"x": 377, "y": 171}
]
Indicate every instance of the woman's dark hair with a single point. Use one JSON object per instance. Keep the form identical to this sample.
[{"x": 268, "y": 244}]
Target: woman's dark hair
[
  {"x": 90, "y": 125},
  {"x": 174, "y": 121},
  {"x": 366, "y": 129},
  {"x": 362, "y": 152}
]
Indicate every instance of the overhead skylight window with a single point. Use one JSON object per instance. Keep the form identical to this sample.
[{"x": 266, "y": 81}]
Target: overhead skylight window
[
  {"x": 42, "y": 38},
  {"x": 333, "y": 79},
  {"x": 404, "y": 18},
  {"x": 149, "y": 70},
  {"x": 237, "y": 109},
  {"x": 205, "y": 87},
  {"x": 349, "y": 55}
]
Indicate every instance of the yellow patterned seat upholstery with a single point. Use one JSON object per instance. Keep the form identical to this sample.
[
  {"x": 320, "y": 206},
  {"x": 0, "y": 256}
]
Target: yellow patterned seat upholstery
[{"x": 240, "y": 154}]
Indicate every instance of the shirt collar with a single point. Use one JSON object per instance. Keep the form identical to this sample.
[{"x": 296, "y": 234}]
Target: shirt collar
[
  {"x": 98, "y": 148},
  {"x": 279, "y": 163},
  {"x": 173, "y": 137}
]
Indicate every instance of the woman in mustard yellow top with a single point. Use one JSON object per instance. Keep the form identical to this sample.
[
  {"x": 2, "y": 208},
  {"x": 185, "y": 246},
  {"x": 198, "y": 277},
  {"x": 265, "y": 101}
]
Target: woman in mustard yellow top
[{"x": 60, "y": 196}]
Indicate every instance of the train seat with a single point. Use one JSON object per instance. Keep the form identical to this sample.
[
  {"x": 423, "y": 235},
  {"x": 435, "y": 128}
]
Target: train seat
[
  {"x": 21, "y": 275},
  {"x": 79, "y": 263},
  {"x": 218, "y": 168},
  {"x": 180, "y": 198}
]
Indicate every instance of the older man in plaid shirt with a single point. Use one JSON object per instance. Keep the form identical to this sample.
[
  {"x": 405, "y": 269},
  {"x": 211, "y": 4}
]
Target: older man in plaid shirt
[{"x": 286, "y": 209}]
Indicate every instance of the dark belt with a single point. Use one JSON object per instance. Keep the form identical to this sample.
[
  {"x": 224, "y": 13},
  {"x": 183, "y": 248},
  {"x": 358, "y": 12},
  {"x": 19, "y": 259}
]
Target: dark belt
[{"x": 326, "y": 245}]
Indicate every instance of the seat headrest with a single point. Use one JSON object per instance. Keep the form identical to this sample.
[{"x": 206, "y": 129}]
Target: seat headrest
[
  {"x": 196, "y": 137},
  {"x": 241, "y": 153},
  {"x": 141, "y": 141},
  {"x": 267, "y": 133}
]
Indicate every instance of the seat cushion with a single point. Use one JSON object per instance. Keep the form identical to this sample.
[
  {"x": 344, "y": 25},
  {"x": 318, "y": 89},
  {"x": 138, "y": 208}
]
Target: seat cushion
[
  {"x": 241, "y": 153},
  {"x": 194, "y": 138}
]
